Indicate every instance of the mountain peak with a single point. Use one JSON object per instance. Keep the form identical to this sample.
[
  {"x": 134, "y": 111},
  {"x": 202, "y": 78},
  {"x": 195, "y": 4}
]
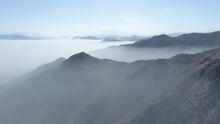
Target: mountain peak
[
  {"x": 81, "y": 54},
  {"x": 79, "y": 58},
  {"x": 162, "y": 36}
]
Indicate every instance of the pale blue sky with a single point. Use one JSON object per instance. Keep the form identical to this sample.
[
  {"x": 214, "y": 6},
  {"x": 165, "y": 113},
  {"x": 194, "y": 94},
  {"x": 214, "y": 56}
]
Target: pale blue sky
[{"x": 82, "y": 17}]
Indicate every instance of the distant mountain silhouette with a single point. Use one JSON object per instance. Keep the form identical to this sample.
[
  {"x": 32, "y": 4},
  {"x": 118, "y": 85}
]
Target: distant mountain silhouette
[
  {"x": 185, "y": 40},
  {"x": 87, "y": 37},
  {"x": 83, "y": 89},
  {"x": 125, "y": 38},
  {"x": 113, "y": 38},
  {"x": 19, "y": 37}
]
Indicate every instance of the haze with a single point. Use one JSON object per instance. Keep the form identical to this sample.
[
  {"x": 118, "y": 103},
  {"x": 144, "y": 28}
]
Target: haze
[
  {"x": 21, "y": 56},
  {"x": 109, "y": 62}
]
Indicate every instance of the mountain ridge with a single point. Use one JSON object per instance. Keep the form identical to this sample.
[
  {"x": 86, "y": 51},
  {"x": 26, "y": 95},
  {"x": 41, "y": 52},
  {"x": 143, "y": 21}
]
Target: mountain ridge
[
  {"x": 184, "y": 40},
  {"x": 89, "y": 90}
]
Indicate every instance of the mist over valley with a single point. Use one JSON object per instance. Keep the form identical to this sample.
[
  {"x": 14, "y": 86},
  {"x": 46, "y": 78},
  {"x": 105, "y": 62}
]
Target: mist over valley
[{"x": 109, "y": 62}]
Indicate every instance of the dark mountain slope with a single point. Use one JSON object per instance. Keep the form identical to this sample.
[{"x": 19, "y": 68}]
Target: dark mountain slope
[
  {"x": 192, "y": 101},
  {"x": 86, "y": 90}
]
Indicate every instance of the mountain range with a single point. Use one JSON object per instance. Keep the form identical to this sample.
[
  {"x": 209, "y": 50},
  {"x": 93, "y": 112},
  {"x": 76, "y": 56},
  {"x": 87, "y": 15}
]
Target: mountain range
[
  {"x": 83, "y": 89},
  {"x": 184, "y": 40}
]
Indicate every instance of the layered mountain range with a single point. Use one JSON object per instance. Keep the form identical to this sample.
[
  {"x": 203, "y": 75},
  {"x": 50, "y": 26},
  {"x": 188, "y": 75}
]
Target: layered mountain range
[
  {"x": 86, "y": 90},
  {"x": 161, "y": 46}
]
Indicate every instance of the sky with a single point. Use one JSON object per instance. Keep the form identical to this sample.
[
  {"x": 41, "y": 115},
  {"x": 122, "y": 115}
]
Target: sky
[{"x": 108, "y": 17}]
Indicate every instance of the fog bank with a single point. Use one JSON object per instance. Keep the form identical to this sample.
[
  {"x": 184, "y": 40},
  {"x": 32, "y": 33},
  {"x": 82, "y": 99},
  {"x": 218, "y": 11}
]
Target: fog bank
[
  {"x": 134, "y": 54},
  {"x": 21, "y": 56}
]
